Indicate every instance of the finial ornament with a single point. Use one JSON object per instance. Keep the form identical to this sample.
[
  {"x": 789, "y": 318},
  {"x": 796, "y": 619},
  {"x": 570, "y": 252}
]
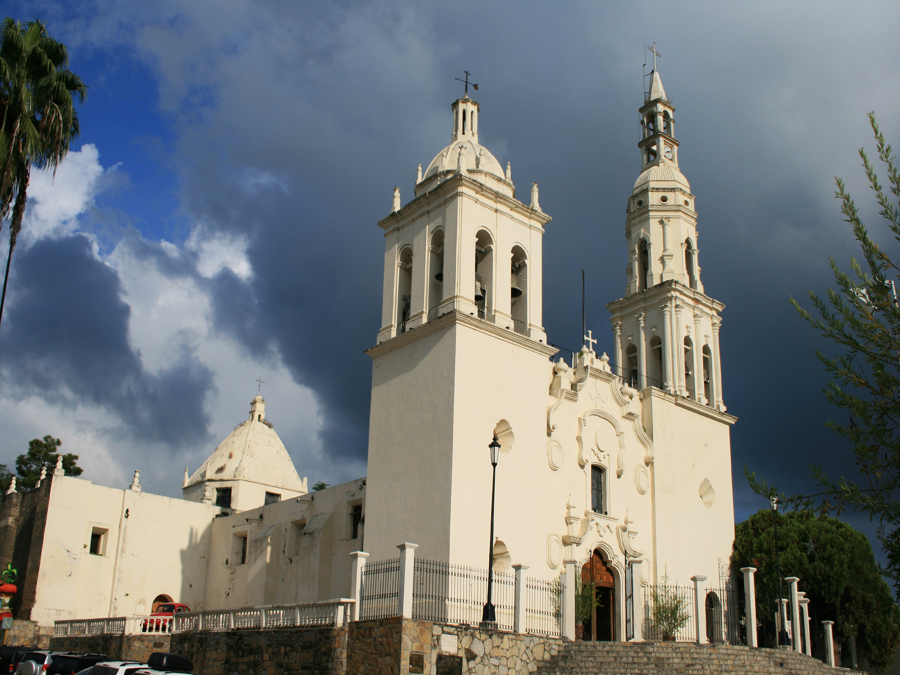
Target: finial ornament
[
  {"x": 466, "y": 82},
  {"x": 396, "y": 206},
  {"x": 419, "y": 174},
  {"x": 59, "y": 471},
  {"x": 534, "y": 197},
  {"x": 136, "y": 483},
  {"x": 656, "y": 54},
  {"x": 12, "y": 486}
]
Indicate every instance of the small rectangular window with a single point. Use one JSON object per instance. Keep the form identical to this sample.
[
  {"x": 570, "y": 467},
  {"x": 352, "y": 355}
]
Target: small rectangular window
[
  {"x": 223, "y": 497},
  {"x": 98, "y": 541},
  {"x": 272, "y": 497},
  {"x": 239, "y": 549},
  {"x": 598, "y": 476},
  {"x": 355, "y": 520}
]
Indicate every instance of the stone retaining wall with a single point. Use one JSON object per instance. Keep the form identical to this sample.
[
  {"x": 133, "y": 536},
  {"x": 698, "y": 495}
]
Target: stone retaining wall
[{"x": 116, "y": 647}]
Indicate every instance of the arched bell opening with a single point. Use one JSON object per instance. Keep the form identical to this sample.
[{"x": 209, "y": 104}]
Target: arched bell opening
[
  {"x": 643, "y": 264},
  {"x": 484, "y": 274},
  {"x": 519, "y": 289},
  {"x": 654, "y": 363},
  {"x": 707, "y": 374},
  {"x": 404, "y": 288},
  {"x": 598, "y": 578},
  {"x": 689, "y": 264},
  {"x": 667, "y": 126},
  {"x": 436, "y": 280},
  {"x": 689, "y": 366},
  {"x": 631, "y": 375}
]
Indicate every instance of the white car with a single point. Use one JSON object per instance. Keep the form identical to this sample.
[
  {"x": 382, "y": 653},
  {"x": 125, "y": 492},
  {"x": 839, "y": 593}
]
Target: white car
[
  {"x": 165, "y": 663},
  {"x": 114, "y": 668}
]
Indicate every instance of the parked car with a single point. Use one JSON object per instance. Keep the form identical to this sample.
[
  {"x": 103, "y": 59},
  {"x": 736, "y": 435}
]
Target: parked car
[
  {"x": 165, "y": 612},
  {"x": 10, "y": 655},
  {"x": 73, "y": 662},
  {"x": 163, "y": 663},
  {"x": 36, "y": 661},
  {"x": 114, "y": 668}
]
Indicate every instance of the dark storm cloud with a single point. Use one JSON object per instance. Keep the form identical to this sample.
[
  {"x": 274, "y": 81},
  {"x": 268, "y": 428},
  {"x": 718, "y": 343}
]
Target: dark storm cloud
[{"x": 66, "y": 339}]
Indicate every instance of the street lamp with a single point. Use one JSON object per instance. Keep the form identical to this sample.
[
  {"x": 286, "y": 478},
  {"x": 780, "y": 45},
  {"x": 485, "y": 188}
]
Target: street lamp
[
  {"x": 488, "y": 616},
  {"x": 781, "y": 636}
]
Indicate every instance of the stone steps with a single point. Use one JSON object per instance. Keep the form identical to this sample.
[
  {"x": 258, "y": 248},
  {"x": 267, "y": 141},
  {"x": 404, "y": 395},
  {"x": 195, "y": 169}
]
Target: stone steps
[{"x": 668, "y": 658}]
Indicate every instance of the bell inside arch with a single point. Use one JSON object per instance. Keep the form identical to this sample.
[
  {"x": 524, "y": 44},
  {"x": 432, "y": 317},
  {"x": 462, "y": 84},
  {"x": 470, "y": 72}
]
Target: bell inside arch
[
  {"x": 514, "y": 289},
  {"x": 480, "y": 290}
]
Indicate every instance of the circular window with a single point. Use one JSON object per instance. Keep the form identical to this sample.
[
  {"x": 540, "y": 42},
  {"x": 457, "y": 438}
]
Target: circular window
[
  {"x": 640, "y": 202},
  {"x": 687, "y": 203},
  {"x": 663, "y": 199}
]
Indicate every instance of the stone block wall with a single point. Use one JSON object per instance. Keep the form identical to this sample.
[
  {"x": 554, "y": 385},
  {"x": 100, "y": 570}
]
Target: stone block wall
[
  {"x": 374, "y": 646},
  {"x": 29, "y": 634},
  {"x": 116, "y": 647}
]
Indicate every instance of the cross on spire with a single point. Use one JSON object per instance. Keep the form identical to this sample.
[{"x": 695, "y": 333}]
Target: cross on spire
[
  {"x": 656, "y": 54},
  {"x": 261, "y": 383},
  {"x": 590, "y": 341},
  {"x": 466, "y": 82}
]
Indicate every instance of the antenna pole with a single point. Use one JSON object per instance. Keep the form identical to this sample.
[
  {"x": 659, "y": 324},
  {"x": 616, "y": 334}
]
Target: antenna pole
[{"x": 582, "y": 303}]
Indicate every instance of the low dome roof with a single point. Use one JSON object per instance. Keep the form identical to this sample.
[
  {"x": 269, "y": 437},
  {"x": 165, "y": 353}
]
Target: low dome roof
[
  {"x": 476, "y": 157},
  {"x": 662, "y": 173}
]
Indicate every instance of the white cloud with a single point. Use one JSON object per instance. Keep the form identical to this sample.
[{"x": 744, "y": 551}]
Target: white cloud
[
  {"x": 217, "y": 251},
  {"x": 56, "y": 201}
]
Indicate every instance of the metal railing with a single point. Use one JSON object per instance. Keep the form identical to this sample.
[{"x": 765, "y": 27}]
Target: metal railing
[
  {"x": 379, "y": 589},
  {"x": 543, "y": 607},
  {"x": 457, "y": 594},
  {"x": 724, "y": 614},
  {"x": 669, "y": 612}
]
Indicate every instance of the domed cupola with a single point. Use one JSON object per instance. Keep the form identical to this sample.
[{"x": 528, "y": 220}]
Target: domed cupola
[
  {"x": 465, "y": 154},
  {"x": 250, "y": 468}
]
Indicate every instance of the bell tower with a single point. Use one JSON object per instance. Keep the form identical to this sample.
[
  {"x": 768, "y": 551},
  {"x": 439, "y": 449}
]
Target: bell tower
[{"x": 666, "y": 327}]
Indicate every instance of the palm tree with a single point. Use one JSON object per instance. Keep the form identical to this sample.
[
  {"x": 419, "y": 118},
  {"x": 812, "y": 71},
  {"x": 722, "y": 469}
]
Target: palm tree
[{"x": 38, "y": 120}]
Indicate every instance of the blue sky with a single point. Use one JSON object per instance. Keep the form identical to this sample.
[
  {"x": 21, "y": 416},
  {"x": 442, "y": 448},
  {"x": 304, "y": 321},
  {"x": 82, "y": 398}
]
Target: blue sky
[{"x": 216, "y": 221}]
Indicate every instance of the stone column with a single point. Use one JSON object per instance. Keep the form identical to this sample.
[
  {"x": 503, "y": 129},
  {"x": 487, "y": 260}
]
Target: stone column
[
  {"x": 356, "y": 574},
  {"x": 717, "y": 364},
  {"x": 667, "y": 349},
  {"x": 700, "y": 607},
  {"x": 617, "y": 331},
  {"x": 407, "y": 574},
  {"x": 642, "y": 353},
  {"x": 829, "y": 643},
  {"x": 699, "y": 396},
  {"x": 750, "y": 604},
  {"x": 678, "y": 352},
  {"x": 795, "y": 613},
  {"x": 638, "y": 600},
  {"x": 519, "y": 616},
  {"x": 804, "y": 607},
  {"x": 568, "y": 600}
]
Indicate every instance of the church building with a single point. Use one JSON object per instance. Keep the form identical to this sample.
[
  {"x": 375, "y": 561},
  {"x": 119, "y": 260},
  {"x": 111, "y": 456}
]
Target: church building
[{"x": 621, "y": 465}]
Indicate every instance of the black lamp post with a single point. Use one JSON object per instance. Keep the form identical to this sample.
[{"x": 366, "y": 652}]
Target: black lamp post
[
  {"x": 781, "y": 636},
  {"x": 488, "y": 616}
]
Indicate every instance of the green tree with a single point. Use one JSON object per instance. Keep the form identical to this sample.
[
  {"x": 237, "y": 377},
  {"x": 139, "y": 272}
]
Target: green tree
[
  {"x": 837, "y": 569},
  {"x": 38, "y": 119},
  {"x": 42, "y": 453},
  {"x": 862, "y": 319},
  {"x": 321, "y": 485}
]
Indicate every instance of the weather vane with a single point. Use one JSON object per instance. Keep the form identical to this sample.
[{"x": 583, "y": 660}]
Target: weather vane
[
  {"x": 655, "y": 53},
  {"x": 261, "y": 383},
  {"x": 466, "y": 82}
]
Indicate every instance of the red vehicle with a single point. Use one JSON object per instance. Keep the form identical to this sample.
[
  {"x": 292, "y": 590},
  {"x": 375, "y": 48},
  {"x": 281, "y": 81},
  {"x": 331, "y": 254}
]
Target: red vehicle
[{"x": 161, "y": 620}]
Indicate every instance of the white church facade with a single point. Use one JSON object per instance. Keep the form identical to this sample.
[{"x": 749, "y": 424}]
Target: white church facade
[{"x": 605, "y": 464}]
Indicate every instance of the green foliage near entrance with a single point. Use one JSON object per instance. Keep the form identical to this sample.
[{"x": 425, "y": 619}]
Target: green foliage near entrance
[
  {"x": 837, "y": 570},
  {"x": 586, "y": 600},
  {"x": 669, "y": 611}
]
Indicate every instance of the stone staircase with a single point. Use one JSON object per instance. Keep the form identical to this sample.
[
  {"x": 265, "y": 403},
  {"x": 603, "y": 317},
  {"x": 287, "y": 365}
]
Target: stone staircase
[{"x": 668, "y": 658}]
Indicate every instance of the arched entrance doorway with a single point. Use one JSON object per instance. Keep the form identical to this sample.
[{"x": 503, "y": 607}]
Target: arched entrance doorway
[
  {"x": 602, "y": 624},
  {"x": 159, "y": 600}
]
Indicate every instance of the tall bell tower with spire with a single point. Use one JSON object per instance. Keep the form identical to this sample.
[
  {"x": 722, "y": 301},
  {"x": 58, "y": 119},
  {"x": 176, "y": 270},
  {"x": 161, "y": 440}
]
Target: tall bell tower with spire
[{"x": 666, "y": 327}]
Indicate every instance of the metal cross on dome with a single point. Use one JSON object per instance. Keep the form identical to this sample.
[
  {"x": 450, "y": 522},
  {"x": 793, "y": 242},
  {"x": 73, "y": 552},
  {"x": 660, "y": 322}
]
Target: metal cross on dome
[
  {"x": 655, "y": 53},
  {"x": 466, "y": 82},
  {"x": 261, "y": 383}
]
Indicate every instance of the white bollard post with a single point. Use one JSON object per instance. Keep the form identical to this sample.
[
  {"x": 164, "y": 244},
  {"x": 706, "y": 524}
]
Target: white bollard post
[
  {"x": 795, "y": 613},
  {"x": 568, "y": 600},
  {"x": 699, "y": 608},
  {"x": 750, "y": 604},
  {"x": 637, "y": 599},
  {"x": 519, "y": 616},
  {"x": 407, "y": 559},
  {"x": 804, "y": 605},
  {"x": 356, "y": 574},
  {"x": 829, "y": 643}
]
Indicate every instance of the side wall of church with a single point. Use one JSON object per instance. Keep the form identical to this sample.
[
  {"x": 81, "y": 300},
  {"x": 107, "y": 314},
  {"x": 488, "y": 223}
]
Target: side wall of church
[
  {"x": 694, "y": 505},
  {"x": 146, "y": 545},
  {"x": 411, "y": 444}
]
